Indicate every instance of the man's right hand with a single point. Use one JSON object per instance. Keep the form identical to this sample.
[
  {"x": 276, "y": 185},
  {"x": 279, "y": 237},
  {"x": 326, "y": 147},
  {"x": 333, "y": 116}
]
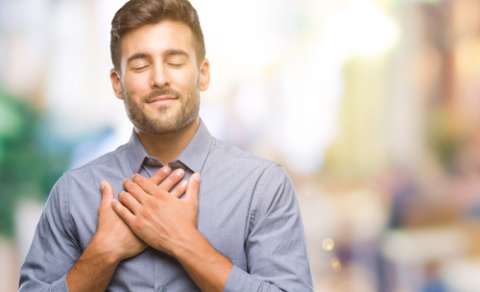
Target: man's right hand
[
  {"x": 113, "y": 236},
  {"x": 113, "y": 241}
]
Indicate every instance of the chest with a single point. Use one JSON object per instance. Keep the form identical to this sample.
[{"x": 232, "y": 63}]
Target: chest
[{"x": 223, "y": 218}]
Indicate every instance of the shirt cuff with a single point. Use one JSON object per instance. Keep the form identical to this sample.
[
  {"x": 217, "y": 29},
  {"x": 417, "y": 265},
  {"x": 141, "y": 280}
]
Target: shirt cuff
[{"x": 238, "y": 281}]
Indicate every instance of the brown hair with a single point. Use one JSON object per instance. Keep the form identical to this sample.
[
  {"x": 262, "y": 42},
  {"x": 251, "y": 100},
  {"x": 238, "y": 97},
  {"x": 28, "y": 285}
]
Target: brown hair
[{"x": 137, "y": 13}]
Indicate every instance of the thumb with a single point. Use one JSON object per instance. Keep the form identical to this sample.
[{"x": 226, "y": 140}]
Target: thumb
[
  {"x": 107, "y": 193},
  {"x": 193, "y": 188}
]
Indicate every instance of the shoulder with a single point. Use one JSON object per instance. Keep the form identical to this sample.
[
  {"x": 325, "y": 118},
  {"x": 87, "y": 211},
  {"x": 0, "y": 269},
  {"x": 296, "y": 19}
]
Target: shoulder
[
  {"x": 233, "y": 156},
  {"x": 108, "y": 159},
  {"x": 109, "y": 165},
  {"x": 265, "y": 173}
]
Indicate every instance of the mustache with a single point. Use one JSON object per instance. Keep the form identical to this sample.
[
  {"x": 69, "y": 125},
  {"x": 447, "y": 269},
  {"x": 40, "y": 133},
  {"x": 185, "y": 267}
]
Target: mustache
[{"x": 161, "y": 91}]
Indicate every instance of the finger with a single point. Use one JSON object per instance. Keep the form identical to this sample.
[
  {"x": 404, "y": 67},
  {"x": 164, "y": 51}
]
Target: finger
[
  {"x": 106, "y": 192},
  {"x": 160, "y": 175},
  {"x": 179, "y": 189},
  {"x": 172, "y": 179},
  {"x": 123, "y": 213},
  {"x": 135, "y": 190},
  {"x": 129, "y": 201},
  {"x": 147, "y": 186},
  {"x": 193, "y": 188}
]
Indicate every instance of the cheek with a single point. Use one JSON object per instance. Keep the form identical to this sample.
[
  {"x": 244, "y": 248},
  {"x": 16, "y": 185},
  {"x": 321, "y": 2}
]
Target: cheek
[
  {"x": 137, "y": 83},
  {"x": 186, "y": 81}
]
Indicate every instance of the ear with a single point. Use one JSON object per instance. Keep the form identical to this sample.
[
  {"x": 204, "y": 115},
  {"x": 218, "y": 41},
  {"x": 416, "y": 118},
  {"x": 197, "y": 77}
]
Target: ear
[
  {"x": 204, "y": 79},
  {"x": 116, "y": 83}
]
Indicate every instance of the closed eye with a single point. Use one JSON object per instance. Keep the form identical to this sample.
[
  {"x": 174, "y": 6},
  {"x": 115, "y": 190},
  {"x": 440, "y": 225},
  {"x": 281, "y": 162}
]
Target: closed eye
[
  {"x": 140, "y": 68},
  {"x": 176, "y": 65}
]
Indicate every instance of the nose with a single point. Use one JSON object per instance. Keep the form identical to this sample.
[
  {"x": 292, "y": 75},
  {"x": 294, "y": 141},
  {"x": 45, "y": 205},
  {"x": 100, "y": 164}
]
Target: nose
[{"x": 160, "y": 76}]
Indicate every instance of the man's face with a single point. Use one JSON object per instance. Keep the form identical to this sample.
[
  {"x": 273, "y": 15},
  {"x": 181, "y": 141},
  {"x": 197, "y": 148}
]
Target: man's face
[{"x": 161, "y": 78}]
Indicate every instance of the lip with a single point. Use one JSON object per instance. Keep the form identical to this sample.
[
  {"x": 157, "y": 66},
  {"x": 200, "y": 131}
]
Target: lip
[{"x": 161, "y": 98}]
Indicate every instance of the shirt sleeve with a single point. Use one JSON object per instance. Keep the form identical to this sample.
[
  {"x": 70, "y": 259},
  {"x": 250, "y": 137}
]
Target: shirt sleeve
[
  {"x": 275, "y": 246},
  {"x": 54, "y": 250}
]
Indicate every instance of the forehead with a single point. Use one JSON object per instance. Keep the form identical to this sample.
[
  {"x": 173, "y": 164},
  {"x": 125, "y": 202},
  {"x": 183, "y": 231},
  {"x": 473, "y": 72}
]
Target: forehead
[{"x": 153, "y": 39}]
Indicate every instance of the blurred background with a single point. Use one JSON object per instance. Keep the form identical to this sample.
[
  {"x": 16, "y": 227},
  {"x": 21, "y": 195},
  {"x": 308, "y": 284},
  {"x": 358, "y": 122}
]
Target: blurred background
[{"x": 372, "y": 106}]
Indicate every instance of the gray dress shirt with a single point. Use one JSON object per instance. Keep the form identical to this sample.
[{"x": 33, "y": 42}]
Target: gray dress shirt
[{"x": 247, "y": 210}]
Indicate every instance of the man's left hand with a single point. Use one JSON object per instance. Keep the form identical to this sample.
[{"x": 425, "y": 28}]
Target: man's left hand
[{"x": 163, "y": 219}]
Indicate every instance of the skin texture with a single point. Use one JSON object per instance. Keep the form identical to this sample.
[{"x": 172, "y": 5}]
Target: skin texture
[{"x": 159, "y": 82}]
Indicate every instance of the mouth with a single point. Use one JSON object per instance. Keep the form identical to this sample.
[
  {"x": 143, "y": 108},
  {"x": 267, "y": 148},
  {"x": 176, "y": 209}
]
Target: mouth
[{"x": 162, "y": 100}]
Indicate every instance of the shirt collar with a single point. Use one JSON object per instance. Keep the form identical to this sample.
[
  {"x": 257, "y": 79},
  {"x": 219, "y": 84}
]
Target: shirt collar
[{"x": 193, "y": 156}]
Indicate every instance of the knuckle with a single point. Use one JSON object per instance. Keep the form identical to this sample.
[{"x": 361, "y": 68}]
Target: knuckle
[
  {"x": 137, "y": 224},
  {"x": 161, "y": 194},
  {"x": 149, "y": 201},
  {"x": 158, "y": 192},
  {"x": 149, "y": 186}
]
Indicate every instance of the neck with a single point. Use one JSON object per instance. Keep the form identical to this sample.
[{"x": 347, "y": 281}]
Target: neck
[{"x": 166, "y": 147}]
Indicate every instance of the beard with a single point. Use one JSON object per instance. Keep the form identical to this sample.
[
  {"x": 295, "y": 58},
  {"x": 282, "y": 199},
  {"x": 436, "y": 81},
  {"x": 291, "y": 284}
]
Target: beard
[{"x": 165, "y": 119}]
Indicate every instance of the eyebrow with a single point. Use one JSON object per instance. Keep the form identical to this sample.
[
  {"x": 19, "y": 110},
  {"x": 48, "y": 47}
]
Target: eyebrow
[
  {"x": 167, "y": 53},
  {"x": 175, "y": 52}
]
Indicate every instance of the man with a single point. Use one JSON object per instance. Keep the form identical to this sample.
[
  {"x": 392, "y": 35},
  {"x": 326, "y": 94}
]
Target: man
[{"x": 240, "y": 231}]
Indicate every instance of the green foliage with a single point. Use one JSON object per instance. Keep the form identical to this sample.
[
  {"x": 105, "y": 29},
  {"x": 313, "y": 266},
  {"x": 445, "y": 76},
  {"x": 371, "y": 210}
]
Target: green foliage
[{"x": 27, "y": 167}]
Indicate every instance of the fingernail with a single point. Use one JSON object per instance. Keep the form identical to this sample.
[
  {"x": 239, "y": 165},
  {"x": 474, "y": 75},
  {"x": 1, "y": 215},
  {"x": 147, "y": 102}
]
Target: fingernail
[
  {"x": 184, "y": 183},
  {"x": 179, "y": 172},
  {"x": 166, "y": 169},
  {"x": 196, "y": 176}
]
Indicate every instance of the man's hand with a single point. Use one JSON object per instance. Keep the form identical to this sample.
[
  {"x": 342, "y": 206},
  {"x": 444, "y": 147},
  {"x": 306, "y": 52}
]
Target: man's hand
[
  {"x": 158, "y": 214},
  {"x": 167, "y": 221},
  {"x": 112, "y": 234},
  {"x": 113, "y": 242}
]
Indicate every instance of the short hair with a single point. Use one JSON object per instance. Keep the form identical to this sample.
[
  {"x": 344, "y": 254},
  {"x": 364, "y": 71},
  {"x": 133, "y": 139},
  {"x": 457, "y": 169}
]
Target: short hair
[{"x": 137, "y": 13}]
